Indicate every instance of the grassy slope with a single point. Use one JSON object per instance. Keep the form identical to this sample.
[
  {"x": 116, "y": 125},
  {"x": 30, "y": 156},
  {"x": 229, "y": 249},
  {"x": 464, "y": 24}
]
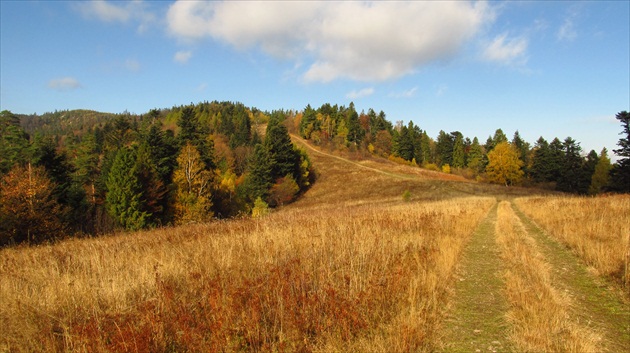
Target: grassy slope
[{"x": 348, "y": 267}]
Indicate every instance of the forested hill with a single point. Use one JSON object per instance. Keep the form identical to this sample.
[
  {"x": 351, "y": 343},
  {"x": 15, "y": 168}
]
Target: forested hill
[{"x": 91, "y": 172}]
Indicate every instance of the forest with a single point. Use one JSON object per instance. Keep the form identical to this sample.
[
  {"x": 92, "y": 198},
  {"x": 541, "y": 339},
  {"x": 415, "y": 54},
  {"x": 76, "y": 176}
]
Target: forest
[{"x": 82, "y": 172}]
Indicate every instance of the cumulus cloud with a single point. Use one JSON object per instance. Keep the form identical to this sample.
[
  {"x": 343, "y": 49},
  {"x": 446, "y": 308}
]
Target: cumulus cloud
[
  {"x": 123, "y": 12},
  {"x": 360, "y": 93},
  {"x": 182, "y": 57},
  {"x": 64, "y": 84},
  {"x": 506, "y": 50},
  {"x": 365, "y": 41}
]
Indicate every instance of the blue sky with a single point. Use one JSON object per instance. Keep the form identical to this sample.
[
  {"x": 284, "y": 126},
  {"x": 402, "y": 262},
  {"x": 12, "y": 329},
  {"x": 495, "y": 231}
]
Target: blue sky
[{"x": 551, "y": 69}]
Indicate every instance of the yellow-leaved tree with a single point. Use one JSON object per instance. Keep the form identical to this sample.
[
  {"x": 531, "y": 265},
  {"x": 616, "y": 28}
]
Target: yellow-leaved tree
[
  {"x": 504, "y": 165},
  {"x": 193, "y": 198}
]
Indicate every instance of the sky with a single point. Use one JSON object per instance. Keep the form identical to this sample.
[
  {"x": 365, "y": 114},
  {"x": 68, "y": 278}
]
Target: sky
[{"x": 544, "y": 68}]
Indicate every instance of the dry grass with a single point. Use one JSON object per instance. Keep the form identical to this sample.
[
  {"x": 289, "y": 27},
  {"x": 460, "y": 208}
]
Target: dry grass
[
  {"x": 364, "y": 278},
  {"x": 597, "y": 229},
  {"x": 539, "y": 313}
]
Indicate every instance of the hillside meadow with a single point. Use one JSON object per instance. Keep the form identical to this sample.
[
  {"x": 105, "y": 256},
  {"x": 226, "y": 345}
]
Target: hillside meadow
[{"x": 352, "y": 266}]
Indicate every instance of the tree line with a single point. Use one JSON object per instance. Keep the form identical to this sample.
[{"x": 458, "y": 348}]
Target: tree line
[
  {"x": 84, "y": 172},
  {"x": 560, "y": 164},
  {"x": 174, "y": 166}
]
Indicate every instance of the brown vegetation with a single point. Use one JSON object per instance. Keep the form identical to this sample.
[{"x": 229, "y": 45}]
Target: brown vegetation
[
  {"x": 539, "y": 312},
  {"x": 354, "y": 279},
  {"x": 597, "y": 229}
]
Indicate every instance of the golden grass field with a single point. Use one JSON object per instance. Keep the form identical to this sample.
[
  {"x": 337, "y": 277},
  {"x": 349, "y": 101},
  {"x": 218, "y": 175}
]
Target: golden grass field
[{"x": 348, "y": 267}]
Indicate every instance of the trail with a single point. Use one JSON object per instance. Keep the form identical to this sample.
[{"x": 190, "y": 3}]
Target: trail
[
  {"x": 307, "y": 145},
  {"x": 594, "y": 304},
  {"x": 476, "y": 317},
  {"x": 476, "y": 321}
]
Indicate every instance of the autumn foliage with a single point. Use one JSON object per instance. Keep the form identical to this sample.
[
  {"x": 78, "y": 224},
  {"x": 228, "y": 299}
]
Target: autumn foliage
[{"x": 28, "y": 210}]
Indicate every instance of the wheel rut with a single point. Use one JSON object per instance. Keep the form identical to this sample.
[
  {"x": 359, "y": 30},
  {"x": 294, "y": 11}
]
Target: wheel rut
[
  {"x": 476, "y": 319},
  {"x": 594, "y": 305}
]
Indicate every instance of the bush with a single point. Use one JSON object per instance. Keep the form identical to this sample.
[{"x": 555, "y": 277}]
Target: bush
[{"x": 260, "y": 209}]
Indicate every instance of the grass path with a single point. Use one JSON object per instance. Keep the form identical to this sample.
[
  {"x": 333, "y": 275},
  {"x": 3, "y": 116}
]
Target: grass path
[
  {"x": 594, "y": 304},
  {"x": 476, "y": 320}
]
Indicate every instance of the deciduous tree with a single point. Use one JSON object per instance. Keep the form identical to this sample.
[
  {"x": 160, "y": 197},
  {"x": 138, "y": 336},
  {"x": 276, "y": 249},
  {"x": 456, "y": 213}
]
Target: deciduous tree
[
  {"x": 504, "y": 166},
  {"x": 28, "y": 209},
  {"x": 194, "y": 185}
]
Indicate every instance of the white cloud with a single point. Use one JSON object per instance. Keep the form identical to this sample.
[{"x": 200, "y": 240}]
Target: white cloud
[
  {"x": 182, "y": 57},
  {"x": 506, "y": 51},
  {"x": 360, "y": 93},
  {"x": 365, "y": 41},
  {"x": 568, "y": 32},
  {"x": 405, "y": 94},
  {"x": 64, "y": 84},
  {"x": 123, "y": 12}
]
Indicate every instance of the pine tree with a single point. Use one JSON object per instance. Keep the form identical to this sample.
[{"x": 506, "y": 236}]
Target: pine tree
[
  {"x": 458, "y": 150},
  {"x": 13, "y": 142},
  {"x": 621, "y": 171},
  {"x": 444, "y": 148},
  {"x": 572, "y": 174},
  {"x": 259, "y": 179},
  {"x": 124, "y": 200},
  {"x": 283, "y": 158},
  {"x": 476, "y": 157}
]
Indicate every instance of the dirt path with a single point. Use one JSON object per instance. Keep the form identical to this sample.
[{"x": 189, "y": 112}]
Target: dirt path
[
  {"x": 476, "y": 320},
  {"x": 594, "y": 304}
]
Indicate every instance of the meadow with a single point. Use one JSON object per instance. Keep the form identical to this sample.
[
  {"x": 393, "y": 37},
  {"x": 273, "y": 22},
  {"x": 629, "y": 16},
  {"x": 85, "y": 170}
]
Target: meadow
[{"x": 352, "y": 266}]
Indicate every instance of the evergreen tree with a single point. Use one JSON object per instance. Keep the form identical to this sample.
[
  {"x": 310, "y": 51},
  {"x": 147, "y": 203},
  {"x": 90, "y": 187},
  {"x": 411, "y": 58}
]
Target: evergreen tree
[
  {"x": 572, "y": 177},
  {"x": 13, "y": 142},
  {"x": 458, "y": 159},
  {"x": 124, "y": 200},
  {"x": 476, "y": 157},
  {"x": 620, "y": 175},
  {"x": 444, "y": 148},
  {"x": 259, "y": 179},
  {"x": 523, "y": 150},
  {"x": 283, "y": 158},
  {"x": 355, "y": 132},
  {"x": 542, "y": 168}
]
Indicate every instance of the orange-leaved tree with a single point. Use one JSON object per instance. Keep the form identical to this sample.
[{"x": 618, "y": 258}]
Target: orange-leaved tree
[{"x": 28, "y": 209}]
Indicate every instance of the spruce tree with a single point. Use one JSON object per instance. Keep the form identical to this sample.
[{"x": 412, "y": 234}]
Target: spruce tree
[
  {"x": 458, "y": 159},
  {"x": 283, "y": 158},
  {"x": 259, "y": 178},
  {"x": 124, "y": 200},
  {"x": 621, "y": 171}
]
